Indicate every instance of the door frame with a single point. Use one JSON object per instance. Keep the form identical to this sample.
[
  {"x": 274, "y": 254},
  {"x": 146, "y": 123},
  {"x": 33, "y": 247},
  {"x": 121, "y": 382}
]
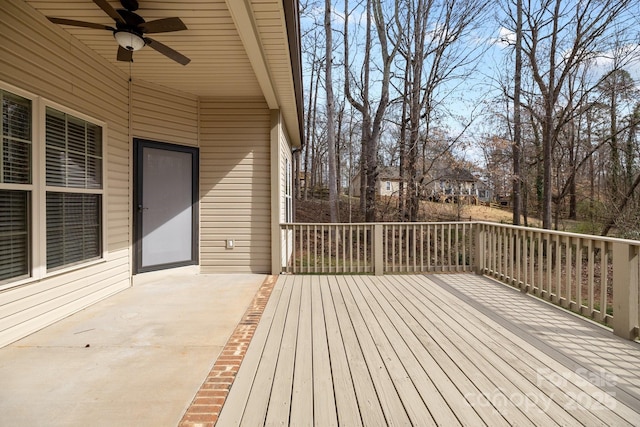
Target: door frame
[{"x": 139, "y": 146}]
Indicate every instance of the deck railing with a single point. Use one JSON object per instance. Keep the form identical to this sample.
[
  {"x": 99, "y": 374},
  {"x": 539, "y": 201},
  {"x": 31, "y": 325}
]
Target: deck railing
[
  {"x": 594, "y": 276},
  {"x": 377, "y": 248}
]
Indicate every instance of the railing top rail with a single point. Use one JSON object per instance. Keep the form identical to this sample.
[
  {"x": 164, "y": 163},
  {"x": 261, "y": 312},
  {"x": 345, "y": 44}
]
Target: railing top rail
[
  {"x": 491, "y": 224},
  {"x": 561, "y": 233},
  {"x": 374, "y": 223},
  {"x": 327, "y": 224}
]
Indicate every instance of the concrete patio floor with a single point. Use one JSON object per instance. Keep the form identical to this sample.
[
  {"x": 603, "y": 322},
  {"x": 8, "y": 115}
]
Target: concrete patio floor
[{"x": 134, "y": 359}]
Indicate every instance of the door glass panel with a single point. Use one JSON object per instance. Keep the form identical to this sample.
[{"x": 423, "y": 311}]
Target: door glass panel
[{"x": 166, "y": 207}]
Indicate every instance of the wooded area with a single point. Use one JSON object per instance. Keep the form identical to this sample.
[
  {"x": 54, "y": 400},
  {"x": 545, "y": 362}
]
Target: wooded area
[{"x": 538, "y": 100}]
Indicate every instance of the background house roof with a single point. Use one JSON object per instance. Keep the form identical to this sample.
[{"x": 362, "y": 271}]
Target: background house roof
[
  {"x": 456, "y": 174},
  {"x": 238, "y": 48},
  {"x": 389, "y": 173}
]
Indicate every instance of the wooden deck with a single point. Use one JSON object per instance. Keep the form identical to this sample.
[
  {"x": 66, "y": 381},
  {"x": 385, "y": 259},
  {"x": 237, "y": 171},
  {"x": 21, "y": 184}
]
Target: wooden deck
[{"x": 455, "y": 349}]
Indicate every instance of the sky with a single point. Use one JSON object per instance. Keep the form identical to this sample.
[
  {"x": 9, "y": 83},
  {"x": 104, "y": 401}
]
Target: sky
[{"x": 467, "y": 98}]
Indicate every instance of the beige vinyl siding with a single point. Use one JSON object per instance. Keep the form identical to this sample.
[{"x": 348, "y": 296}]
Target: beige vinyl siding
[
  {"x": 235, "y": 195},
  {"x": 164, "y": 115},
  {"x": 44, "y": 60},
  {"x": 382, "y": 187}
]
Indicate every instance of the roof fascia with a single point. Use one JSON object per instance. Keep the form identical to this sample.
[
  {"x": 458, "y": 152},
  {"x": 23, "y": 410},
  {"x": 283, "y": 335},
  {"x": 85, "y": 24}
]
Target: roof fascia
[
  {"x": 242, "y": 16},
  {"x": 292, "y": 18}
]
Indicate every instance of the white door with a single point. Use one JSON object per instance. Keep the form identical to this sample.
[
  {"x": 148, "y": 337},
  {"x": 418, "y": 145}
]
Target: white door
[{"x": 166, "y": 206}]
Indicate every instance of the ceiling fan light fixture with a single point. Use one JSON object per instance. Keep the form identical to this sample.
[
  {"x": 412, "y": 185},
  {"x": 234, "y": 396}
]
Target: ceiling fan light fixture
[
  {"x": 129, "y": 40},
  {"x": 130, "y": 30}
]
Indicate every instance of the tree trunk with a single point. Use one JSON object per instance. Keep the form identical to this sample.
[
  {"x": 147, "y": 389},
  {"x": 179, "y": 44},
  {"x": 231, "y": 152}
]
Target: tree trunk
[
  {"x": 517, "y": 126},
  {"x": 296, "y": 171},
  {"x": 331, "y": 131},
  {"x": 622, "y": 206},
  {"x": 371, "y": 124},
  {"x": 402, "y": 147},
  {"x": 415, "y": 107}
]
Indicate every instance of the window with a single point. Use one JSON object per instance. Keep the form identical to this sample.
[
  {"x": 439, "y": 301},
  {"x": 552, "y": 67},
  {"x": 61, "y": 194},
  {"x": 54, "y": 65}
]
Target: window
[
  {"x": 51, "y": 174},
  {"x": 388, "y": 185},
  {"x": 74, "y": 184},
  {"x": 15, "y": 187},
  {"x": 288, "y": 202}
]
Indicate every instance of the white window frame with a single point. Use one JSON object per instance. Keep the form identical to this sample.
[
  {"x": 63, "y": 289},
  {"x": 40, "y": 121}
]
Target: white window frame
[
  {"x": 38, "y": 189},
  {"x": 288, "y": 199},
  {"x": 32, "y": 187}
]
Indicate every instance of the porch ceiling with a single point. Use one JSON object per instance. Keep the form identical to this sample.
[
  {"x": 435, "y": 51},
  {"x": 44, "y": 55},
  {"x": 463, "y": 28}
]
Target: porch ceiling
[{"x": 238, "y": 48}]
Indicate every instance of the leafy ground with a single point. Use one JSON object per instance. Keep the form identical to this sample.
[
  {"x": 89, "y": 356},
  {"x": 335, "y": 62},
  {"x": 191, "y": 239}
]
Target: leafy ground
[{"x": 317, "y": 210}]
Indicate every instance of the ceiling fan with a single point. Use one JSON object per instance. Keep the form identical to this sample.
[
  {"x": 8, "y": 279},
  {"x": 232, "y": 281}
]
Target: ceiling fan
[{"x": 131, "y": 28}]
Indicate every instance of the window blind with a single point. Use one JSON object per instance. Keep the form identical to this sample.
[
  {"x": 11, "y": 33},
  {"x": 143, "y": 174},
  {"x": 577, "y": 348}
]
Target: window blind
[
  {"x": 16, "y": 139},
  {"x": 73, "y": 161},
  {"x": 73, "y": 228},
  {"x": 74, "y": 151},
  {"x": 15, "y": 168},
  {"x": 14, "y": 234}
]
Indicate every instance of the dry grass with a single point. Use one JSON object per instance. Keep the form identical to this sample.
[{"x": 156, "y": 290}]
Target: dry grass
[
  {"x": 473, "y": 213},
  {"x": 317, "y": 210}
]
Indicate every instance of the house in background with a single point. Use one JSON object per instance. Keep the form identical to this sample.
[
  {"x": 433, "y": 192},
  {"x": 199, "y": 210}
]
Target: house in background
[
  {"x": 446, "y": 183},
  {"x": 388, "y": 182},
  {"x": 484, "y": 191},
  {"x": 440, "y": 184},
  {"x": 110, "y": 168}
]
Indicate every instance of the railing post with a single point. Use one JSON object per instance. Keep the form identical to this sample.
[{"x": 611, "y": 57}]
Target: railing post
[
  {"x": 378, "y": 255},
  {"x": 625, "y": 290},
  {"x": 479, "y": 237}
]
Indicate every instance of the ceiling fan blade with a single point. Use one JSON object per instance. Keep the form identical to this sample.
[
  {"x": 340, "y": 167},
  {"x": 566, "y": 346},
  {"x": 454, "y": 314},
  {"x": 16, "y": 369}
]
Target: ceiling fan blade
[
  {"x": 75, "y": 23},
  {"x": 167, "y": 51},
  {"x": 124, "y": 54},
  {"x": 163, "y": 25},
  {"x": 109, "y": 10}
]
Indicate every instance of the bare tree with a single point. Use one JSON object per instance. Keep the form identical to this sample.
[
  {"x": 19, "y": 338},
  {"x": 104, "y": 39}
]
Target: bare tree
[
  {"x": 432, "y": 43},
  {"x": 559, "y": 36},
  {"x": 372, "y": 116},
  {"x": 517, "y": 122},
  {"x": 331, "y": 131},
  {"x": 313, "y": 61}
]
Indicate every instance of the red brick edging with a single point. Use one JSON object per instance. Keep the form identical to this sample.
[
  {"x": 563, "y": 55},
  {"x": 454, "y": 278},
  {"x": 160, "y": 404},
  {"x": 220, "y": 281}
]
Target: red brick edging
[{"x": 207, "y": 403}]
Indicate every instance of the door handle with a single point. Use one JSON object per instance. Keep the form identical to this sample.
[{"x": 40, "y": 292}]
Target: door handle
[{"x": 142, "y": 208}]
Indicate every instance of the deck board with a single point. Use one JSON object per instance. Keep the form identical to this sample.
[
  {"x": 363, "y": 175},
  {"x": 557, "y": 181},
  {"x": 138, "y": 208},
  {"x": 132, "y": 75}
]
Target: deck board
[
  {"x": 453, "y": 349},
  {"x": 410, "y": 372},
  {"x": 467, "y": 351},
  {"x": 571, "y": 351},
  {"x": 302, "y": 401},
  {"x": 436, "y": 362},
  {"x": 343, "y": 384},
  {"x": 280, "y": 399},
  {"x": 366, "y": 394},
  {"x": 324, "y": 404},
  {"x": 516, "y": 370},
  {"x": 388, "y": 377}
]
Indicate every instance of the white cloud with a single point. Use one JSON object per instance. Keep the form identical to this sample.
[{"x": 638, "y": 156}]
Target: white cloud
[
  {"x": 505, "y": 38},
  {"x": 356, "y": 17},
  {"x": 628, "y": 58}
]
